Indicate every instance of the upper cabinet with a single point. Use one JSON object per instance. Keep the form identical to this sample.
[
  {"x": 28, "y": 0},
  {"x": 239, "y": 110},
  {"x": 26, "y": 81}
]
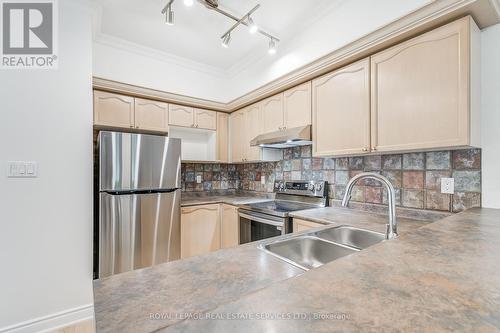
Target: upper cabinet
[
  {"x": 186, "y": 116},
  {"x": 113, "y": 110},
  {"x": 205, "y": 119},
  {"x": 222, "y": 137},
  {"x": 423, "y": 91},
  {"x": 289, "y": 109},
  {"x": 180, "y": 115},
  {"x": 341, "y": 111},
  {"x": 237, "y": 135},
  {"x": 272, "y": 114},
  {"x": 297, "y": 106},
  {"x": 151, "y": 115}
]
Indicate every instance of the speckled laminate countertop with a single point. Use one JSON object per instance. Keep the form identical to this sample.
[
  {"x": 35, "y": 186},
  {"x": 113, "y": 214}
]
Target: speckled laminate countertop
[{"x": 444, "y": 276}]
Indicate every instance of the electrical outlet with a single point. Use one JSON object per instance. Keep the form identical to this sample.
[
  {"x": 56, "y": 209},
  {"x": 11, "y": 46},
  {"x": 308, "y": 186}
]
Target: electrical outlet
[
  {"x": 263, "y": 180},
  {"x": 198, "y": 179},
  {"x": 448, "y": 185}
]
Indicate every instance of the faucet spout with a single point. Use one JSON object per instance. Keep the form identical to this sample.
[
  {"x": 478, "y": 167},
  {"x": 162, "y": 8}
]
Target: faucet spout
[{"x": 392, "y": 226}]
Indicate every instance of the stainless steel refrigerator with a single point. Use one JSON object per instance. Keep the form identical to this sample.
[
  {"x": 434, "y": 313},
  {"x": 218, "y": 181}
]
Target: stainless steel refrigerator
[{"x": 139, "y": 201}]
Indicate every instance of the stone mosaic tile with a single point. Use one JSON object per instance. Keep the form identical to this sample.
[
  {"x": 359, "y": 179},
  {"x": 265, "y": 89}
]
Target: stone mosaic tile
[
  {"x": 278, "y": 175},
  {"x": 189, "y": 167},
  {"x": 342, "y": 163},
  {"x": 190, "y": 176},
  {"x": 296, "y": 152},
  {"x": 438, "y": 160},
  {"x": 341, "y": 177},
  {"x": 433, "y": 179},
  {"x": 287, "y": 154},
  {"x": 287, "y": 165},
  {"x": 331, "y": 191},
  {"x": 395, "y": 177},
  {"x": 437, "y": 201},
  {"x": 296, "y": 175},
  {"x": 307, "y": 175},
  {"x": 207, "y": 167},
  {"x": 198, "y": 187},
  {"x": 373, "y": 194},
  {"x": 296, "y": 165},
  {"x": 373, "y": 163},
  {"x": 414, "y": 161},
  {"x": 467, "y": 181},
  {"x": 329, "y": 176},
  {"x": 412, "y": 198},
  {"x": 231, "y": 167},
  {"x": 305, "y": 151},
  {"x": 216, "y": 167},
  {"x": 198, "y": 167},
  {"x": 356, "y": 163},
  {"x": 216, "y": 176},
  {"x": 397, "y": 195},
  {"x": 207, "y": 186},
  {"x": 339, "y": 192},
  {"x": 392, "y": 162},
  {"x": 329, "y": 164},
  {"x": 467, "y": 159},
  {"x": 287, "y": 175},
  {"x": 317, "y": 175},
  {"x": 413, "y": 179},
  {"x": 358, "y": 194},
  {"x": 306, "y": 164},
  {"x": 462, "y": 201},
  {"x": 224, "y": 185},
  {"x": 317, "y": 163},
  {"x": 216, "y": 185}
]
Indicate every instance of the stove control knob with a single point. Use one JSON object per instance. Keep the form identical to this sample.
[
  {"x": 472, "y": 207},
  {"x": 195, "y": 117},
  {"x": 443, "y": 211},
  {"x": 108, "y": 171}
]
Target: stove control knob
[
  {"x": 318, "y": 187},
  {"x": 310, "y": 187}
]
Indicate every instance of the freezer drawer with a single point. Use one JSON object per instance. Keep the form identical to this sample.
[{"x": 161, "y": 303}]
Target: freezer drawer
[
  {"x": 138, "y": 230},
  {"x": 129, "y": 161}
]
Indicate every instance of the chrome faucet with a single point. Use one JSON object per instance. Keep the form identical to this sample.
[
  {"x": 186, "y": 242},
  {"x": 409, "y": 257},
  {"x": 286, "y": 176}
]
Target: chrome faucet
[{"x": 391, "y": 228}]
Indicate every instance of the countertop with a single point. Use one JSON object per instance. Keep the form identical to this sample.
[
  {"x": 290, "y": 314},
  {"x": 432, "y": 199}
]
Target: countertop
[{"x": 444, "y": 276}]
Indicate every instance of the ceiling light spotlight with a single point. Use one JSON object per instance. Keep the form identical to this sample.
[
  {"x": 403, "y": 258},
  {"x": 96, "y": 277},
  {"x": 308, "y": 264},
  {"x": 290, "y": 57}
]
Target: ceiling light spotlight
[
  {"x": 226, "y": 39},
  {"x": 272, "y": 46},
  {"x": 252, "y": 27},
  {"x": 188, "y": 3},
  {"x": 169, "y": 15}
]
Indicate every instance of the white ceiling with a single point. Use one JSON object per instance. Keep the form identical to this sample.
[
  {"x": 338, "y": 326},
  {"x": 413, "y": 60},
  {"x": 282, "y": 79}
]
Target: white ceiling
[{"x": 196, "y": 34}]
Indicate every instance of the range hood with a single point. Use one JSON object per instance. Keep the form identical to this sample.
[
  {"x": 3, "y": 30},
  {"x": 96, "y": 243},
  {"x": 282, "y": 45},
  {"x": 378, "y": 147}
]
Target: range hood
[{"x": 293, "y": 137}]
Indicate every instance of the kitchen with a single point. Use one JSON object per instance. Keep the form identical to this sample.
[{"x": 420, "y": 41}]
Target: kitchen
[{"x": 322, "y": 180}]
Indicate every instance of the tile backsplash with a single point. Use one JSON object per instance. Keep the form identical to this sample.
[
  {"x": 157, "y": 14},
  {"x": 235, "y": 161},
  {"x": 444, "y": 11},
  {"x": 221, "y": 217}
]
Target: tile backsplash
[{"x": 416, "y": 176}]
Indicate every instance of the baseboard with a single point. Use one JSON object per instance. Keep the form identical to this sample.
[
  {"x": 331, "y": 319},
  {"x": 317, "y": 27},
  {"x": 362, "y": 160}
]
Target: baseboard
[{"x": 52, "y": 322}]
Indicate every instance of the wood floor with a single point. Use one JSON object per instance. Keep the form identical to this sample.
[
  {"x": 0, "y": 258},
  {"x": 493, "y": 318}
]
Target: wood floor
[{"x": 86, "y": 326}]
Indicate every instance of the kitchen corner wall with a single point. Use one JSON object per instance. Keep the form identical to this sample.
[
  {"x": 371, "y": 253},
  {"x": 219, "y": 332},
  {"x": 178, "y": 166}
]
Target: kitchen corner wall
[{"x": 416, "y": 176}]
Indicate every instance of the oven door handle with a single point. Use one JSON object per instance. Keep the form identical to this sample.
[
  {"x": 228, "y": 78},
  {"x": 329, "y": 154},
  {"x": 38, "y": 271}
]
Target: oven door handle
[{"x": 261, "y": 220}]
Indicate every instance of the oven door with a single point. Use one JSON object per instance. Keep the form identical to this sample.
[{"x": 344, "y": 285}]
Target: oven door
[{"x": 257, "y": 226}]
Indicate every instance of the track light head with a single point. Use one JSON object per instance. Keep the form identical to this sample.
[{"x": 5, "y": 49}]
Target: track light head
[
  {"x": 226, "y": 39},
  {"x": 272, "y": 46},
  {"x": 252, "y": 27},
  {"x": 169, "y": 15},
  {"x": 188, "y": 3}
]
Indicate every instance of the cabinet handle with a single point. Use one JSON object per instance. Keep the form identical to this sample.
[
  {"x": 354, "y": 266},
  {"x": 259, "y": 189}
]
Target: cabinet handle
[
  {"x": 374, "y": 148},
  {"x": 131, "y": 126},
  {"x": 365, "y": 149},
  {"x": 137, "y": 127}
]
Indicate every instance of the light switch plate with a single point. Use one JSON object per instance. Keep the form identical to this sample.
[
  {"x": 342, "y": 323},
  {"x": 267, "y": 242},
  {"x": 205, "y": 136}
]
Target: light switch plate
[
  {"x": 22, "y": 169},
  {"x": 198, "y": 179},
  {"x": 263, "y": 180},
  {"x": 448, "y": 185}
]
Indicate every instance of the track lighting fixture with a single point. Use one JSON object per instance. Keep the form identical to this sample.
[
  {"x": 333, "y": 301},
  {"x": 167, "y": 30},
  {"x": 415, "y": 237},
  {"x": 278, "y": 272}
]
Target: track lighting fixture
[
  {"x": 252, "y": 27},
  {"x": 226, "y": 39},
  {"x": 272, "y": 46}
]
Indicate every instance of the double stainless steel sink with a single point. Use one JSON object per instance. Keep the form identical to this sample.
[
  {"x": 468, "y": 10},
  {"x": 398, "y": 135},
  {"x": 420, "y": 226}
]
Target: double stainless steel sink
[{"x": 314, "y": 249}]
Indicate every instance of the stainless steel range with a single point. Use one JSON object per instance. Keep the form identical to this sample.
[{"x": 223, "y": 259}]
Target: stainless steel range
[{"x": 271, "y": 218}]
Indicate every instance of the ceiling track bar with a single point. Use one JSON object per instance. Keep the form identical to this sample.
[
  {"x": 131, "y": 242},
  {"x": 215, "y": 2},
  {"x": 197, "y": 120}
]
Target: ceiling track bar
[{"x": 164, "y": 10}]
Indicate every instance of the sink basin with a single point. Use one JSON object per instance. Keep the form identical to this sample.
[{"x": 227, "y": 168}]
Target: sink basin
[
  {"x": 354, "y": 237},
  {"x": 307, "y": 252}
]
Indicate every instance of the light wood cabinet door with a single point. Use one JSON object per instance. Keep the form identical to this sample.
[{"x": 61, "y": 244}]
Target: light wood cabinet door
[
  {"x": 179, "y": 115},
  {"x": 200, "y": 230},
  {"x": 420, "y": 90},
  {"x": 297, "y": 106},
  {"x": 113, "y": 109},
  {"x": 341, "y": 111},
  {"x": 230, "y": 226},
  {"x": 237, "y": 135},
  {"x": 151, "y": 115},
  {"x": 205, "y": 119},
  {"x": 272, "y": 114},
  {"x": 251, "y": 129},
  {"x": 222, "y": 137},
  {"x": 301, "y": 225}
]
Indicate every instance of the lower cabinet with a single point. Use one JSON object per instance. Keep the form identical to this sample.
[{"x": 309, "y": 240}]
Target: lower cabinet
[
  {"x": 200, "y": 230},
  {"x": 230, "y": 226},
  {"x": 301, "y": 225},
  {"x": 207, "y": 228}
]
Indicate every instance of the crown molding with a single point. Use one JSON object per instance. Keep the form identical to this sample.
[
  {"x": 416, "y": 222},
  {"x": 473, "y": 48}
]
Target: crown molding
[{"x": 438, "y": 12}]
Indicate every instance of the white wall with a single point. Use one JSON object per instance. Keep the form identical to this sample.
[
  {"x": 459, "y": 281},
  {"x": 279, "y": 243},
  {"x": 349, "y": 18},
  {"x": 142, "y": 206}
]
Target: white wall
[
  {"x": 490, "y": 87},
  {"x": 46, "y": 223}
]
